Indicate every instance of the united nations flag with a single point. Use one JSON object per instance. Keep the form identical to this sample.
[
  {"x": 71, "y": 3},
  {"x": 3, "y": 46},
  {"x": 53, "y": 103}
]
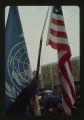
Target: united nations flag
[{"x": 18, "y": 72}]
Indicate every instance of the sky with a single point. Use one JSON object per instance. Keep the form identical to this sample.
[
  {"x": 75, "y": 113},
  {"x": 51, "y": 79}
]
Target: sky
[{"x": 32, "y": 19}]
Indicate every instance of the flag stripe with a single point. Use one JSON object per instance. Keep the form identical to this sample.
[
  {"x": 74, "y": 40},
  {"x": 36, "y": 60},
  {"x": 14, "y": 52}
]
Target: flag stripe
[
  {"x": 57, "y": 27},
  {"x": 61, "y": 54},
  {"x": 58, "y": 45},
  {"x": 57, "y": 17},
  {"x": 64, "y": 59},
  {"x": 69, "y": 74},
  {"x": 69, "y": 63},
  {"x": 68, "y": 79},
  {"x": 58, "y": 40},
  {"x": 67, "y": 88},
  {"x": 67, "y": 110},
  {"x": 57, "y": 22},
  {"x": 58, "y": 33},
  {"x": 66, "y": 98}
]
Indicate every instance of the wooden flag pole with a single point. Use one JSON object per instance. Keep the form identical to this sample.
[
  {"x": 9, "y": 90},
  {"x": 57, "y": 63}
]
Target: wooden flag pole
[{"x": 40, "y": 46}]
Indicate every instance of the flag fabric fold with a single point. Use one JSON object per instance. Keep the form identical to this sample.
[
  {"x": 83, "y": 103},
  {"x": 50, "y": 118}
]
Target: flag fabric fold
[
  {"x": 57, "y": 38},
  {"x": 18, "y": 72}
]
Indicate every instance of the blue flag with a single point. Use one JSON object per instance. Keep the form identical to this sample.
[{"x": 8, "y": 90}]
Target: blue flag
[{"x": 18, "y": 72}]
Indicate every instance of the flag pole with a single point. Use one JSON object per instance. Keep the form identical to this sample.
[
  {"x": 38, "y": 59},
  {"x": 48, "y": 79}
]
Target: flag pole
[{"x": 40, "y": 46}]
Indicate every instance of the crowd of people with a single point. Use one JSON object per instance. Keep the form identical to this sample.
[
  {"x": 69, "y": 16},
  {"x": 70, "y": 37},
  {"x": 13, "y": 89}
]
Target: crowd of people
[
  {"x": 51, "y": 102},
  {"x": 41, "y": 102}
]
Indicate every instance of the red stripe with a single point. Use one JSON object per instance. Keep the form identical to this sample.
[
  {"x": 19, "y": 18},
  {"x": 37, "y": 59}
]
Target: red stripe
[
  {"x": 58, "y": 33},
  {"x": 65, "y": 74},
  {"x": 64, "y": 59},
  {"x": 59, "y": 46},
  {"x": 66, "y": 98},
  {"x": 57, "y": 22}
]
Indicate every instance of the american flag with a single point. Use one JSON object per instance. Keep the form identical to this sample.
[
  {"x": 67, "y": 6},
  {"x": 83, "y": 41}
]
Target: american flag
[{"x": 57, "y": 38}]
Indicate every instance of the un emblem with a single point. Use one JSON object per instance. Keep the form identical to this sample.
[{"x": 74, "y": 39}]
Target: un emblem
[{"x": 18, "y": 66}]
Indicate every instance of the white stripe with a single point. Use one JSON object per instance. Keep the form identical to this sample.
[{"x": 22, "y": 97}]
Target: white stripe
[
  {"x": 57, "y": 39},
  {"x": 57, "y": 17},
  {"x": 66, "y": 88},
  {"x": 61, "y": 54},
  {"x": 66, "y": 108},
  {"x": 57, "y": 27},
  {"x": 69, "y": 74}
]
